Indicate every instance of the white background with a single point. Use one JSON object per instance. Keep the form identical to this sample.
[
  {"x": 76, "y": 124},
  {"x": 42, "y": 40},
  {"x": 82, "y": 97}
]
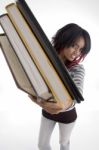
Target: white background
[{"x": 19, "y": 116}]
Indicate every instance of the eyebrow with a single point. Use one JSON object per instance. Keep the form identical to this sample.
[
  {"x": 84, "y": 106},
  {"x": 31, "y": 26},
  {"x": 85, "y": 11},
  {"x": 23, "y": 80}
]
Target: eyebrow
[{"x": 78, "y": 45}]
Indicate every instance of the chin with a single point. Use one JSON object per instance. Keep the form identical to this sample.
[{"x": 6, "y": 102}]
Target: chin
[{"x": 70, "y": 60}]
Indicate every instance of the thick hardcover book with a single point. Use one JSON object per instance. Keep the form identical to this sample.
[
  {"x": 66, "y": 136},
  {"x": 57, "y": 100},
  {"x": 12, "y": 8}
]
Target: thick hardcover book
[
  {"x": 23, "y": 69},
  {"x": 43, "y": 63},
  {"x": 15, "y": 66},
  {"x": 50, "y": 51}
]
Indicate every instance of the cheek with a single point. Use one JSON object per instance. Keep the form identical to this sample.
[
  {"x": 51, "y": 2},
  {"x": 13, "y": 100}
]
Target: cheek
[{"x": 68, "y": 51}]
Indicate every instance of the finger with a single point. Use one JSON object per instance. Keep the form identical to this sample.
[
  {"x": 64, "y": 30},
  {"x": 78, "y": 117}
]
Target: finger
[
  {"x": 54, "y": 106},
  {"x": 50, "y": 108}
]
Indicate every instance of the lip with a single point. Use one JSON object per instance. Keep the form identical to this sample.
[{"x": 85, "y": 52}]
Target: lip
[{"x": 73, "y": 57}]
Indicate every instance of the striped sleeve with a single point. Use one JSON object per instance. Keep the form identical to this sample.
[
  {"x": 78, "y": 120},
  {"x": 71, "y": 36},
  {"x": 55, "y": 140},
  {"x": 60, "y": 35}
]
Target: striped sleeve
[{"x": 77, "y": 73}]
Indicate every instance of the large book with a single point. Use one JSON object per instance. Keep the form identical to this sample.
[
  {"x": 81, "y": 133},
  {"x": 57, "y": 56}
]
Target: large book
[
  {"x": 44, "y": 65},
  {"x": 26, "y": 64},
  {"x": 49, "y": 50},
  {"x": 25, "y": 73},
  {"x": 47, "y": 47}
]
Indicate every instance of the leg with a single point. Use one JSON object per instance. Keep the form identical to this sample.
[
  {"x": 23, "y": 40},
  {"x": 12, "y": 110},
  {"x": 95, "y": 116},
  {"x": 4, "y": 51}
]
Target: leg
[
  {"x": 46, "y": 129},
  {"x": 64, "y": 135}
]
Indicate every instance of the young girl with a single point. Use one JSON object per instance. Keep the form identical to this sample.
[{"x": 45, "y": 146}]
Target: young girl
[{"x": 72, "y": 43}]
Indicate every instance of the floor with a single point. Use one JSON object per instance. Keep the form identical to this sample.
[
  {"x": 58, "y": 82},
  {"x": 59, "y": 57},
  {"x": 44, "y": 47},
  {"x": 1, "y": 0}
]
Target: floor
[{"x": 20, "y": 120}]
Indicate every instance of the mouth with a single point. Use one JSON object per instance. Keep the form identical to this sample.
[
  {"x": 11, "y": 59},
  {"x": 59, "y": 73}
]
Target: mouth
[{"x": 72, "y": 57}]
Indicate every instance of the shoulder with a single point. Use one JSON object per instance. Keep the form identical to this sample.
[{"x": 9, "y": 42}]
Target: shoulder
[
  {"x": 77, "y": 68},
  {"x": 77, "y": 71}
]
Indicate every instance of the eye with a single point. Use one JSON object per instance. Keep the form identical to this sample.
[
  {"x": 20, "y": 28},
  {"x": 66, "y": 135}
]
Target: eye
[
  {"x": 81, "y": 49},
  {"x": 75, "y": 46},
  {"x": 72, "y": 45}
]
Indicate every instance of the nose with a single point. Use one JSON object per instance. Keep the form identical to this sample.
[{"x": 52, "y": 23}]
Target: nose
[{"x": 77, "y": 51}]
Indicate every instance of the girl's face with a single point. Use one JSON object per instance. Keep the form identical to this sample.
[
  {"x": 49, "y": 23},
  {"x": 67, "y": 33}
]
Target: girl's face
[{"x": 74, "y": 51}]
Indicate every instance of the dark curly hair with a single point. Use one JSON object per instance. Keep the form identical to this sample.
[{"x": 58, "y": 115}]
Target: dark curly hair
[{"x": 67, "y": 36}]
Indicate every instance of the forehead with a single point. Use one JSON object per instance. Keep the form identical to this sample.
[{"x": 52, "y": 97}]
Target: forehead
[{"x": 80, "y": 42}]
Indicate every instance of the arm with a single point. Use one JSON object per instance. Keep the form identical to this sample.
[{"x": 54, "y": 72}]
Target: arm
[
  {"x": 50, "y": 107},
  {"x": 77, "y": 73}
]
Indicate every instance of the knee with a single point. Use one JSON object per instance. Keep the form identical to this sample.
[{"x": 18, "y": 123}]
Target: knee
[
  {"x": 40, "y": 145},
  {"x": 64, "y": 145},
  {"x": 44, "y": 146}
]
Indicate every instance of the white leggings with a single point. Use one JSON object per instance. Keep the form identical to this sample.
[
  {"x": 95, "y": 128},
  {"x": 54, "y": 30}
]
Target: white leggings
[{"x": 46, "y": 129}]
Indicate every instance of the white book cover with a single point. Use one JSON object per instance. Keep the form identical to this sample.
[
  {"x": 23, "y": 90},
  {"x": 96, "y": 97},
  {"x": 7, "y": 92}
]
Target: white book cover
[
  {"x": 29, "y": 66},
  {"x": 46, "y": 68}
]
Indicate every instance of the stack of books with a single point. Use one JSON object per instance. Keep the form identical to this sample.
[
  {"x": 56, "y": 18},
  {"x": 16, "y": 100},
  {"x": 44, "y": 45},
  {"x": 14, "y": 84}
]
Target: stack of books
[{"x": 34, "y": 63}]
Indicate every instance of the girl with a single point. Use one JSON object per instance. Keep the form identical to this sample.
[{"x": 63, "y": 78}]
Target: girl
[{"x": 72, "y": 43}]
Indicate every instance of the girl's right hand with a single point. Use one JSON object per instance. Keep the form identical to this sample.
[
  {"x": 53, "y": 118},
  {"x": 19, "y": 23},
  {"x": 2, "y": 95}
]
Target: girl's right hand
[{"x": 50, "y": 107}]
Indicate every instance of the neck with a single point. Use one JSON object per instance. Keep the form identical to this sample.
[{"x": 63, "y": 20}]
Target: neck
[{"x": 62, "y": 57}]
